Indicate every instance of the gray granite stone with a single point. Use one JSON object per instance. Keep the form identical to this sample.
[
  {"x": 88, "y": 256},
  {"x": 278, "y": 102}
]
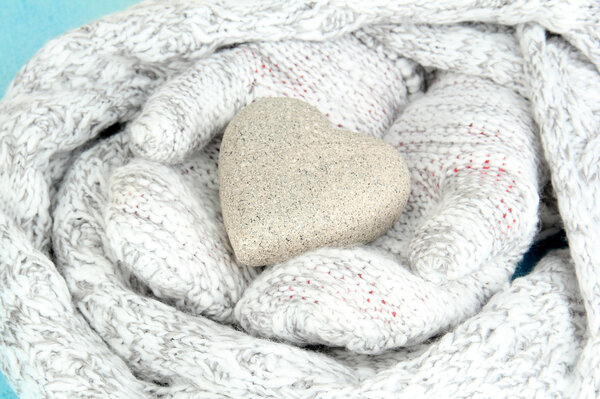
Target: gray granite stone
[{"x": 290, "y": 182}]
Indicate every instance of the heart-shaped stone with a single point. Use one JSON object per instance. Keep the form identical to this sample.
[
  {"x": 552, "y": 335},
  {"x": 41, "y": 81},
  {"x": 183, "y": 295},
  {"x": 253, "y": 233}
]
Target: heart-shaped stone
[{"x": 290, "y": 182}]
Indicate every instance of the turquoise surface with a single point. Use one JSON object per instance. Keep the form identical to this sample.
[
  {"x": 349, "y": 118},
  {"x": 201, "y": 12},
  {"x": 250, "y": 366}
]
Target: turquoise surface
[{"x": 25, "y": 25}]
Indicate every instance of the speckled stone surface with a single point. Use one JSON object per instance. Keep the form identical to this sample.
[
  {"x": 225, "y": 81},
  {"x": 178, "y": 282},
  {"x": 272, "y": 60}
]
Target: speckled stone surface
[{"x": 290, "y": 182}]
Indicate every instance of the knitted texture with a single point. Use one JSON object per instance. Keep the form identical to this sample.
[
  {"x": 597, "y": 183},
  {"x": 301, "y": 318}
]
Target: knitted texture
[
  {"x": 471, "y": 214},
  {"x": 117, "y": 277}
]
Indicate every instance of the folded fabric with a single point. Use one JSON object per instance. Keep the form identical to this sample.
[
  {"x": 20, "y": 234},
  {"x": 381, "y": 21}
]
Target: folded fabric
[{"x": 101, "y": 298}]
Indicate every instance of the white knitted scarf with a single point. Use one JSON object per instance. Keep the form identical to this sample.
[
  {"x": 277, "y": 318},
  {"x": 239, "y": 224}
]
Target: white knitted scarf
[{"x": 116, "y": 276}]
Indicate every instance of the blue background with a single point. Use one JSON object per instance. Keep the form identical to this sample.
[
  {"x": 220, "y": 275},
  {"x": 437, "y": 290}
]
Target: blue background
[{"x": 25, "y": 25}]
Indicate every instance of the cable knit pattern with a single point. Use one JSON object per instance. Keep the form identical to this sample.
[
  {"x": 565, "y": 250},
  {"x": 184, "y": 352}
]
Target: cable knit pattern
[{"x": 117, "y": 276}]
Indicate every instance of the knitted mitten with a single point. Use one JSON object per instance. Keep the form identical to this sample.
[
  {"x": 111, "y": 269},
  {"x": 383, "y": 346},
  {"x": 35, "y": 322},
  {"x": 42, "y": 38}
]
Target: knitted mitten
[
  {"x": 473, "y": 155},
  {"x": 355, "y": 86},
  {"x": 163, "y": 223}
]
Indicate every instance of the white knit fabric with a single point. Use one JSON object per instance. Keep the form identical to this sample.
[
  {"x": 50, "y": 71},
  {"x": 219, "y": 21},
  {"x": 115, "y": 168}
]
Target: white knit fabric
[
  {"x": 471, "y": 214},
  {"x": 117, "y": 277}
]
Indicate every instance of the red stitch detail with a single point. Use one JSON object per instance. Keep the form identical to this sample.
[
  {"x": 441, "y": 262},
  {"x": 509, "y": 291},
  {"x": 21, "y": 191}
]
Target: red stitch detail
[
  {"x": 316, "y": 301},
  {"x": 471, "y": 124},
  {"x": 291, "y": 289},
  {"x": 284, "y": 82},
  {"x": 487, "y": 161},
  {"x": 263, "y": 66},
  {"x": 291, "y": 296},
  {"x": 339, "y": 125},
  {"x": 369, "y": 300},
  {"x": 383, "y": 301},
  {"x": 308, "y": 282},
  {"x": 303, "y": 298},
  {"x": 394, "y": 314},
  {"x": 514, "y": 220},
  {"x": 504, "y": 216},
  {"x": 359, "y": 275},
  {"x": 455, "y": 170},
  {"x": 370, "y": 292},
  {"x": 486, "y": 167}
]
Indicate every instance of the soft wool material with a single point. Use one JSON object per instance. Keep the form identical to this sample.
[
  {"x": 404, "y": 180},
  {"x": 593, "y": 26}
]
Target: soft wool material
[{"x": 118, "y": 279}]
